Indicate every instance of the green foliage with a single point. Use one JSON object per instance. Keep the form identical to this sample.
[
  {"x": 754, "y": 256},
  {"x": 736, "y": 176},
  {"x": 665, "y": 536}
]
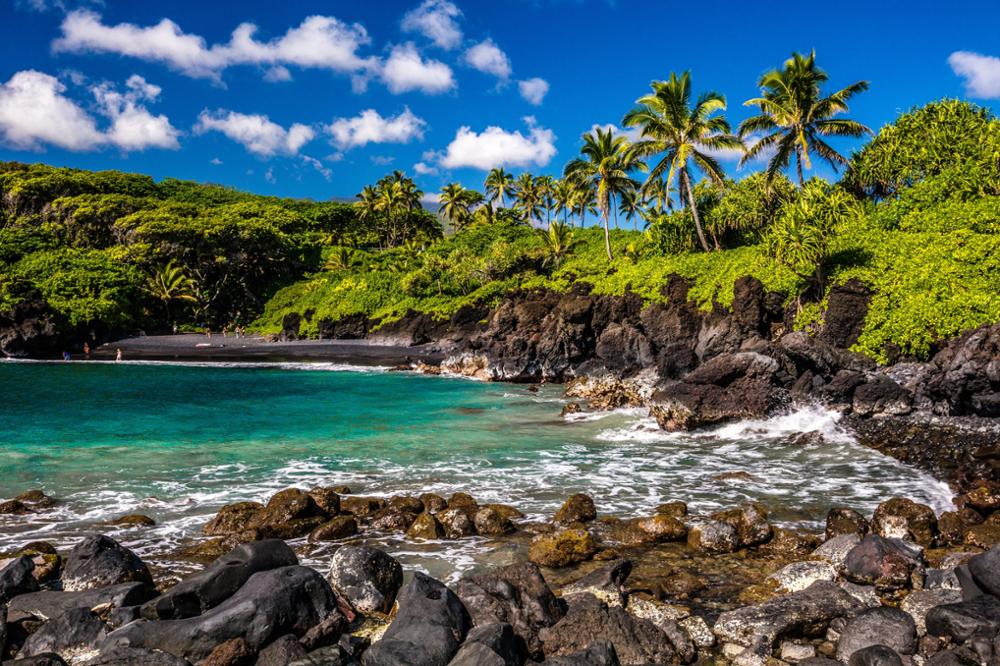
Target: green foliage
[{"x": 925, "y": 142}]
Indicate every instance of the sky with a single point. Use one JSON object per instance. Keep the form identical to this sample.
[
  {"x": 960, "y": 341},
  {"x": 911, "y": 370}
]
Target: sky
[{"x": 319, "y": 98}]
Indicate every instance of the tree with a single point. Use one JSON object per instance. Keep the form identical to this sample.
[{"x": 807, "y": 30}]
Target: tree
[
  {"x": 545, "y": 185},
  {"x": 559, "y": 242},
  {"x": 169, "y": 283},
  {"x": 682, "y": 133},
  {"x": 795, "y": 118},
  {"x": 630, "y": 206},
  {"x": 498, "y": 183},
  {"x": 341, "y": 258},
  {"x": 800, "y": 238},
  {"x": 562, "y": 196},
  {"x": 454, "y": 204},
  {"x": 529, "y": 197},
  {"x": 584, "y": 200},
  {"x": 606, "y": 164}
]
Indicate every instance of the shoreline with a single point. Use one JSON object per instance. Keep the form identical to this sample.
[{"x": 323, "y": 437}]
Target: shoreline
[{"x": 199, "y": 347}]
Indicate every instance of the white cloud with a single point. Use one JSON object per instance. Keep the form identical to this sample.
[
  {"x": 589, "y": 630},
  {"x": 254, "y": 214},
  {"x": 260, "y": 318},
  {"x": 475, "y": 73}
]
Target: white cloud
[
  {"x": 215, "y": 161},
  {"x": 370, "y": 127},
  {"x": 256, "y": 132},
  {"x": 533, "y": 90},
  {"x": 487, "y": 57},
  {"x": 981, "y": 73},
  {"x": 277, "y": 74},
  {"x": 431, "y": 199},
  {"x": 133, "y": 127},
  {"x": 320, "y": 42},
  {"x": 435, "y": 20},
  {"x": 405, "y": 70},
  {"x": 382, "y": 160},
  {"x": 319, "y": 166},
  {"x": 269, "y": 176},
  {"x": 630, "y": 133},
  {"x": 495, "y": 147},
  {"x": 34, "y": 112},
  {"x": 423, "y": 169}
]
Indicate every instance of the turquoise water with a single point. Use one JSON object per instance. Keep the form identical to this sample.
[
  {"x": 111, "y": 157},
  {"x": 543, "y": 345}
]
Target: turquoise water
[{"x": 176, "y": 442}]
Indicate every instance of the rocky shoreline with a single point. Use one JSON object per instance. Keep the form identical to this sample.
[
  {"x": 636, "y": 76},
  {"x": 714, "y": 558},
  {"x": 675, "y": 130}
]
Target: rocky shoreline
[{"x": 903, "y": 586}]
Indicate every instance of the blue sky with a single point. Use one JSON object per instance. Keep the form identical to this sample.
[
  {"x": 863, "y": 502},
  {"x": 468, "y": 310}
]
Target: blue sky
[{"x": 317, "y": 99}]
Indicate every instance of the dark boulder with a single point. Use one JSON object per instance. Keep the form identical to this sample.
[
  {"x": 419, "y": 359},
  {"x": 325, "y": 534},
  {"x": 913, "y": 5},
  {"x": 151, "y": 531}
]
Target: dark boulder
[
  {"x": 598, "y": 653},
  {"x": 490, "y": 645},
  {"x": 289, "y": 514},
  {"x": 349, "y": 327},
  {"x": 905, "y": 519},
  {"x": 964, "y": 377},
  {"x": 881, "y": 395},
  {"x": 578, "y": 508},
  {"x": 810, "y": 611},
  {"x": 232, "y": 519},
  {"x": 47, "y": 659},
  {"x": 340, "y": 527},
  {"x": 985, "y": 570},
  {"x": 750, "y": 523},
  {"x": 48, "y": 604},
  {"x": 963, "y": 620},
  {"x": 890, "y": 627},
  {"x": 562, "y": 548},
  {"x": 842, "y": 520},
  {"x": 844, "y": 319},
  {"x": 456, "y": 523},
  {"x": 636, "y": 641},
  {"x": 606, "y": 583},
  {"x": 270, "y": 604},
  {"x": 426, "y": 526},
  {"x": 283, "y": 651},
  {"x": 490, "y": 521},
  {"x": 99, "y": 561},
  {"x": 428, "y": 628},
  {"x": 31, "y": 329},
  {"x": 516, "y": 595},
  {"x": 875, "y": 655},
  {"x": 72, "y": 635},
  {"x": 367, "y": 577},
  {"x": 885, "y": 563},
  {"x": 17, "y": 578},
  {"x": 219, "y": 581}
]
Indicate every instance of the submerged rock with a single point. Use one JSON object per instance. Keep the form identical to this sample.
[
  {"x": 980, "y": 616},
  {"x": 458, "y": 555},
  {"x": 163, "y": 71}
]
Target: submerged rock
[
  {"x": 713, "y": 536},
  {"x": 562, "y": 548},
  {"x": 578, "y": 508}
]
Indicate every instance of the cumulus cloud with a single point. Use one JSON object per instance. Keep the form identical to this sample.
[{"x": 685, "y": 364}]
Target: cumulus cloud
[
  {"x": 370, "y": 127},
  {"x": 533, "y": 90},
  {"x": 406, "y": 70},
  {"x": 424, "y": 169},
  {"x": 981, "y": 73},
  {"x": 277, "y": 74},
  {"x": 437, "y": 21},
  {"x": 494, "y": 147},
  {"x": 257, "y": 133},
  {"x": 35, "y": 112},
  {"x": 322, "y": 42},
  {"x": 133, "y": 127},
  {"x": 487, "y": 57}
]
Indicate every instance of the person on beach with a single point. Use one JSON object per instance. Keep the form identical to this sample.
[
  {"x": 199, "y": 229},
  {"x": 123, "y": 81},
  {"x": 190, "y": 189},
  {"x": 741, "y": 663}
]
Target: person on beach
[
  {"x": 175, "y": 329},
  {"x": 86, "y": 349},
  {"x": 208, "y": 332},
  {"x": 66, "y": 356},
  {"x": 225, "y": 331},
  {"x": 118, "y": 355}
]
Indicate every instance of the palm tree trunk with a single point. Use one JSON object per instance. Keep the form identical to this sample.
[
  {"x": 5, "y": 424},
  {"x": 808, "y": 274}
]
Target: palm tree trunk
[
  {"x": 798, "y": 164},
  {"x": 614, "y": 206},
  {"x": 686, "y": 183},
  {"x": 607, "y": 236}
]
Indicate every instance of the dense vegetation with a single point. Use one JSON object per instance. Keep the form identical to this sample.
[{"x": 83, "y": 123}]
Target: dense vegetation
[{"x": 915, "y": 216}]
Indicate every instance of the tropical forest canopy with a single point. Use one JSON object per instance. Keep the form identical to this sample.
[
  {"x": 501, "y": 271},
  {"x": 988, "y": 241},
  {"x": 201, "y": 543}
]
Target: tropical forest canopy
[{"x": 915, "y": 216}]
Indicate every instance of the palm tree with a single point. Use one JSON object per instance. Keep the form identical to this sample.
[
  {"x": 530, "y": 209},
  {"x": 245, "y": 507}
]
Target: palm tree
[
  {"x": 454, "y": 204},
  {"x": 340, "y": 259},
  {"x": 170, "y": 283},
  {"x": 562, "y": 196},
  {"x": 559, "y": 242},
  {"x": 630, "y": 206},
  {"x": 683, "y": 134},
  {"x": 545, "y": 185},
  {"x": 794, "y": 117},
  {"x": 606, "y": 163},
  {"x": 528, "y": 195},
  {"x": 584, "y": 200},
  {"x": 498, "y": 183}
]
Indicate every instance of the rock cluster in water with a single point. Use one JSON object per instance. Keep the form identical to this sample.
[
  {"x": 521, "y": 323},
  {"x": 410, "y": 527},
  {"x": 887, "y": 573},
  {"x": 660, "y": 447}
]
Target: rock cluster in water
[{"x": 902, "y": 586}]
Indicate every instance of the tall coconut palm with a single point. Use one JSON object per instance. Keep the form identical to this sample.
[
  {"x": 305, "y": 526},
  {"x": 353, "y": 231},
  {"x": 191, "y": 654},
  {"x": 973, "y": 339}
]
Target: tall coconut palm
[
  {"x": 498, "y": 183},
  {"x": 545, "y": 185},
  {"x": 562, "y": 196},
  {"x": 584, "y": 200},
  {"x": 529, "y": 197},
  {"x": 683, "y": 134},
  {"x": 794, "y": 117},
  {"x": 630, "y": 206},
  {"x": 170, "y": 283},
  {"x": 606, "y": 162},
  {"x": 454, "y": 204}
]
